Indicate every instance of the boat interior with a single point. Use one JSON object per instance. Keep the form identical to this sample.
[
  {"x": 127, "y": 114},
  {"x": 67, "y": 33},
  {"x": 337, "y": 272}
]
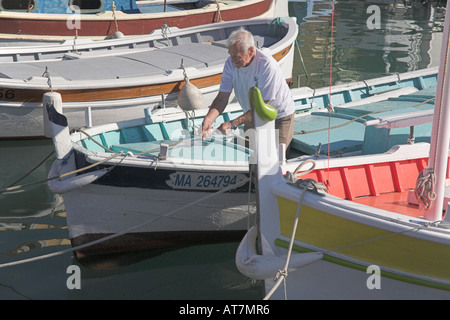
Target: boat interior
[
  {"x": 384, "y": 185},
  {"x": 199, "y": 50},
  {"x": 344, "y": 130},
  {"x": 146, "y": 140},
  {"x": 387, "y": 185}
]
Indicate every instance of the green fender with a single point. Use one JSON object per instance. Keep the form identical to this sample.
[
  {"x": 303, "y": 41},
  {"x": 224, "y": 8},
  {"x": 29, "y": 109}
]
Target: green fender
[{"x": 263, "y": 110}]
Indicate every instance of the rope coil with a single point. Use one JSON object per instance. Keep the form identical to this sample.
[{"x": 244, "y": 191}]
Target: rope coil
[{"x": 424, "y": 190}]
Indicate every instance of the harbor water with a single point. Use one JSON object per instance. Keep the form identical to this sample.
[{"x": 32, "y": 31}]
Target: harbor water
[{"x": 370, "y": 39}]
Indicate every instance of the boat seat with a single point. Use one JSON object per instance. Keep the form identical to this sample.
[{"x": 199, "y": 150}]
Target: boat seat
[
  {"x": 147, "y": 148},
  {"x": 377, "y": 140},
  {"x": 350, "y": 136}
]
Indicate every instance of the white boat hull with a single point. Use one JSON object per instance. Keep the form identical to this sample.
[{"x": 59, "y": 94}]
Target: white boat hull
[
  {"x": 22, "y": 122},
  {"x": 158, "y": 218}
]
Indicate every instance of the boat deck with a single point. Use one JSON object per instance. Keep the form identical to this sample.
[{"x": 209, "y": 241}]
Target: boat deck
[
  {"x": 394, "y": 202},
  {"x": 145, "y": 140}
]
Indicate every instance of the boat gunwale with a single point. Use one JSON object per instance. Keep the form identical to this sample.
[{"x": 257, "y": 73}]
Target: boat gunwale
[
  {"x": 153, "y": 36},
  {"x": 126, "y": 82}
]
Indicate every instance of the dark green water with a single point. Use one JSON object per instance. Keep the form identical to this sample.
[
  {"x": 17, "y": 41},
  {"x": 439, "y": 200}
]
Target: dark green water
[{"x": 32, "y": 220}]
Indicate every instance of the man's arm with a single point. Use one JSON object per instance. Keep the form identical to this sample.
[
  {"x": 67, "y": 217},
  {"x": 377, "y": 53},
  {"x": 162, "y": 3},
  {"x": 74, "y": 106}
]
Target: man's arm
[{"x": 246, "y": 117}]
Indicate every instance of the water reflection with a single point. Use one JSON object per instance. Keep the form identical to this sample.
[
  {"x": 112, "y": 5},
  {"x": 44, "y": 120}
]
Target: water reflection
[
  {"x": 29, "y": 246},
  {"x": 32, "y": 221},
  {"x": 407, "y": 38}
]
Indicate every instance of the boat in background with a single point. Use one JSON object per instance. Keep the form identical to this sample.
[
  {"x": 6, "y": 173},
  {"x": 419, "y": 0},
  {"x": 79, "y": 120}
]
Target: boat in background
[
  {"x": 52, "y": 20},
  {"x": 149, "y": 199},
  {"x": 150, "y": 169},
  {"x": 359, "y": 227},
  {"x": 101, "y": 85}
]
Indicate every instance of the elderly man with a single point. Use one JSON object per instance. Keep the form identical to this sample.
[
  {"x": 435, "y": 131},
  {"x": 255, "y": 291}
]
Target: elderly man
[{"x": 245, "y": 67}]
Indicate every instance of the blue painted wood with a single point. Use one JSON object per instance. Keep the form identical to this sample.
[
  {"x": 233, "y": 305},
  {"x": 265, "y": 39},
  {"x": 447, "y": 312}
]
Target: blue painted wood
[
  {"x": 347, "y": 130},
  {"x": 152, "y": 132},
  {"x": 195, "y": 149},
  {"x": 62, "y": 6}
]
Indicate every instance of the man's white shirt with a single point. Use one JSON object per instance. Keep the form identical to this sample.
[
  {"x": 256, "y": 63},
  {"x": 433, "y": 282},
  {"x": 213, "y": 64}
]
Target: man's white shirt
[{"x": 264, "y": 73}]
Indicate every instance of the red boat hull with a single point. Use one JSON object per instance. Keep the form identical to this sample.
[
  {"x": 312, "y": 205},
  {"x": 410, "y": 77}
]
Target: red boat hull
[{"x": 103, "y": 25}]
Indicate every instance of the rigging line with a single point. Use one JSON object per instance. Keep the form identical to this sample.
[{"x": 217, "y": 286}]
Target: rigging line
[
  {"x": 438, "y": 125},
  {"x": 28, "y": 173},
  {"x": 64, "y": 174},
  {"x": 357, "y": 118},
  {"x": 420, "y": 227},
  {"x": 329, "y": 94},
  {"x": 111, "y": 151}
]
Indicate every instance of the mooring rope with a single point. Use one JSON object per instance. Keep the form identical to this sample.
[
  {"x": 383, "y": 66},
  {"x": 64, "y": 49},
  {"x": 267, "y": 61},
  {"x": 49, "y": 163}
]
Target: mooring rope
[
  {"x": 115, "y": 235},
  {"x": 28, "y": 173},
  {"x": 305, "y": 185},
  {"x": 425, "y": 187},
  {"x": 282, "y": 274},
  {"x": 219, "y": 15},
  {"x": 62, "y": 175}
]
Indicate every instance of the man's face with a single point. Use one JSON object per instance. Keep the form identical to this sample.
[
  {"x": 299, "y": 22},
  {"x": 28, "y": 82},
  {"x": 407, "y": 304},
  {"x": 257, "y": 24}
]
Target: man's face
[{"x": 239, "y": 57}]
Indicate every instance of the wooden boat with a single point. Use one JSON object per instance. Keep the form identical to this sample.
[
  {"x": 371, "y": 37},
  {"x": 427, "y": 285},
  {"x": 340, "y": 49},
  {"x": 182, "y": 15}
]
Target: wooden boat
[
  {"x": 368, "y": 227},
  {"x": 106, "y": 85},
  {"x": 167, "y": 170},
  {"x": 51, "y": 20}
]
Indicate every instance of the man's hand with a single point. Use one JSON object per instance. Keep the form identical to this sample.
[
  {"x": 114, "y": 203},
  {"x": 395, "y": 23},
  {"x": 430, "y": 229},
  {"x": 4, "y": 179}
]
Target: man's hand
[
  {"x": 206, "y": 128},
  {"x": 225, "y": 128},
  {"x": 217, "y": 107}
]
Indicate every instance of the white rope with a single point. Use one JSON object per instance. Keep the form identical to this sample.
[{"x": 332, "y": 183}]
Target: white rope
[
  {"x": 65, "y": 174},
  {"x": 115, "y": 235},
  {"x": 12, "y": 185},
  {"x": 283, "y": 273},
  {"x": 307, "y": 184},
  {"x": 219, "y": 16},
  {"x": 113, "y": 8},
  {"x": 292, "y": 176}
]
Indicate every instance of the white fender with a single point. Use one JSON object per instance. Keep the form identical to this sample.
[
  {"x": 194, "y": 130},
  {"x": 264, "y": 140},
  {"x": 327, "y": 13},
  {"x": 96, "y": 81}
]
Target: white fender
[
  {"x": 260, "y": 267},
  {"x": 190, "y": 97},
  {"x": 71, "y": 182}
]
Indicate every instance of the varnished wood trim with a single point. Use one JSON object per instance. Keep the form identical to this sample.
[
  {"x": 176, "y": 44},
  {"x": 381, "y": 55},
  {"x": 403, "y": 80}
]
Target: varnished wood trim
[{"x": 101, "y": 94}]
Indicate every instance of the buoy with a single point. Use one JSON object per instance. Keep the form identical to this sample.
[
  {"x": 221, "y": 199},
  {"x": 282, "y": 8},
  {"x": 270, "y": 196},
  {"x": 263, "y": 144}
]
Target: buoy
[
  {"x": 190, "y": 97},
  {"x": 118, "y": 35}
]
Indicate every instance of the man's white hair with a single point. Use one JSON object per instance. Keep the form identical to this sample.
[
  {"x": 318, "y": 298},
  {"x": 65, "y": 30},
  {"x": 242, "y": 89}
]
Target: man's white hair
[{"x": 243, "y": 37}]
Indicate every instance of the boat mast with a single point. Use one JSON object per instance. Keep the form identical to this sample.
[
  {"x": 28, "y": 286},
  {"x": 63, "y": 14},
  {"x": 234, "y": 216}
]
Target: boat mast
[{"x": 437, "y": 163}]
